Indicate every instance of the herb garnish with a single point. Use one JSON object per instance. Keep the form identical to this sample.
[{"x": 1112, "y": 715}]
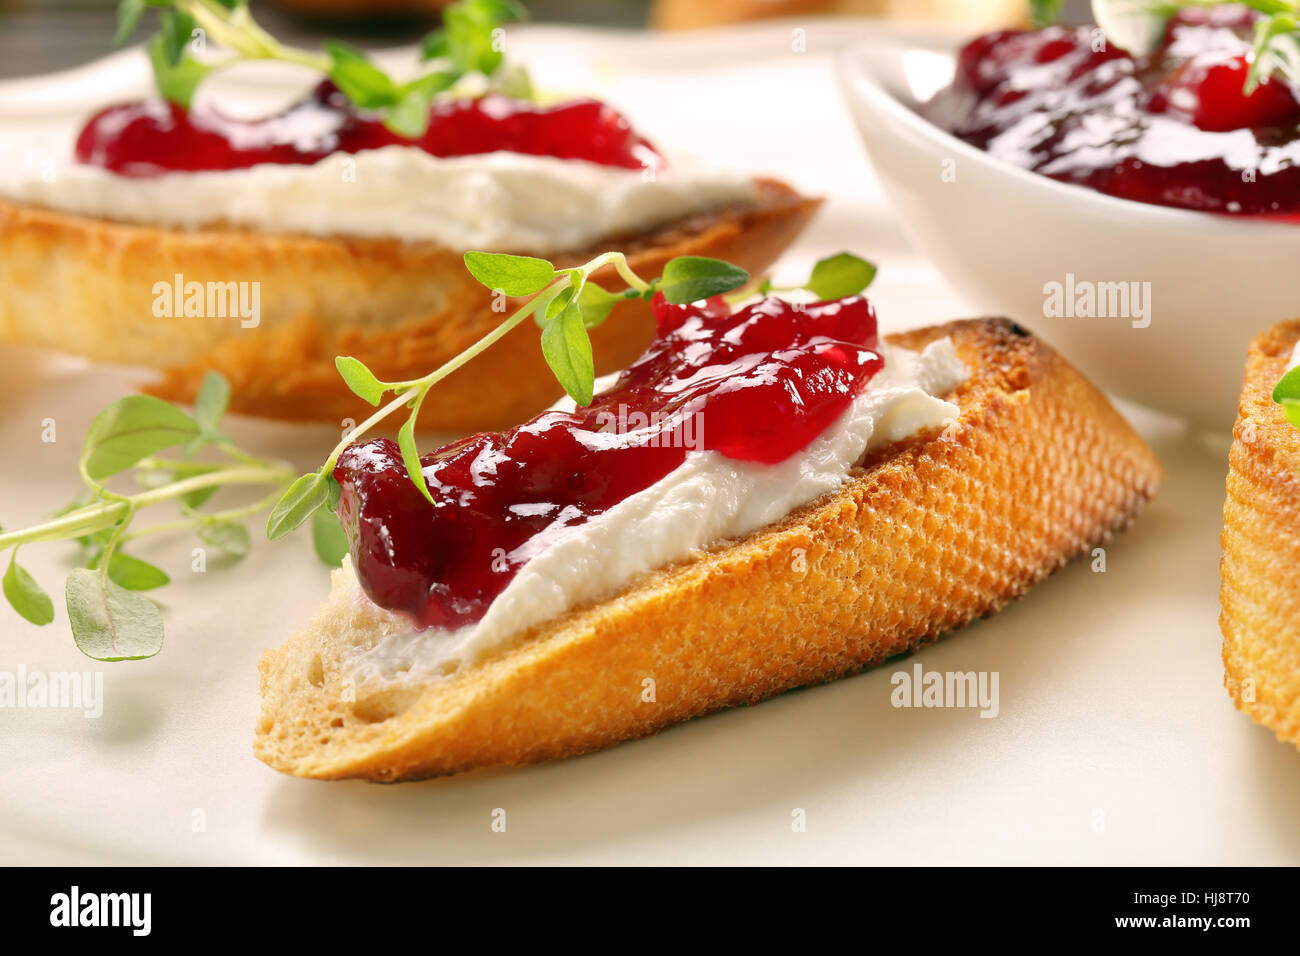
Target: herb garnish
[
  {"x": 112, "y": 621},
  {"x": 565, "y": 303},
  {"x": 468, "y": 44},
  {"x": 1138, "y": 26},
  {"x": 1287, "y": 394},
  {"x": 1044, "y": 13}
]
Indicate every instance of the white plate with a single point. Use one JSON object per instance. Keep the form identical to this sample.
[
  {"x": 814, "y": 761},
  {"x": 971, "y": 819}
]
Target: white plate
[{"x": 1115, "y": 742}]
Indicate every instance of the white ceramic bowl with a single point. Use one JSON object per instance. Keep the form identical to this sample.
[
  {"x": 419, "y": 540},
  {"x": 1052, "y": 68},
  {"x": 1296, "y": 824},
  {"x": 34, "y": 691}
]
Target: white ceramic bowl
[{"x": 1000, "y": 235}]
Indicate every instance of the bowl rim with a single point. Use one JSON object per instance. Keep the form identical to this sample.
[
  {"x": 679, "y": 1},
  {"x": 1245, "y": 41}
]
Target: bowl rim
[{"x": 858, "y": 82}]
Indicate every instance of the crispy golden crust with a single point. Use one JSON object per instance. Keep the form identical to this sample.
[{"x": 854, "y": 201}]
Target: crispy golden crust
[
  {"x": 923, "y": 540},
  {"x": 1260, "y": 593},
  {"x": 404, "y": 308}
]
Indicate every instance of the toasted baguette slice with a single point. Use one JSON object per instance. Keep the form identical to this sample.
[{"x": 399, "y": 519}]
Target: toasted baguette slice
[
  {"x": 1260, "y": 569},
  {"x": 87, "y": 286},
  {"x": 924, "y": 538}
]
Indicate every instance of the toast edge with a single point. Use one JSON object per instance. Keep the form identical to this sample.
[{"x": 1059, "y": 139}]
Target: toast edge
[{"x": 1260, "y": 567}]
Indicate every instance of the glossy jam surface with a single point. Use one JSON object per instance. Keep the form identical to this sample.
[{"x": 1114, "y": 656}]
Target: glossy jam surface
[
  {"x": 757, "y": 385},
  {"x": 155, "y": 137},
  {"x": 1174, "y": 129}
]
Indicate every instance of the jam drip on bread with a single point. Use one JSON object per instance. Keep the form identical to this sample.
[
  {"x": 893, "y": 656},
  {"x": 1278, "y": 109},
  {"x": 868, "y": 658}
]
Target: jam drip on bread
[
  {"x": 154, "y": 137},
  {"x": 756, "y": 385}
]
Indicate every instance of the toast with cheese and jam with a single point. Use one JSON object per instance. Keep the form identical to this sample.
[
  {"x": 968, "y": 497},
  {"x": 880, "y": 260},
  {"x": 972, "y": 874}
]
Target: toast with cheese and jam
[{"x": 1031, "y": 467}]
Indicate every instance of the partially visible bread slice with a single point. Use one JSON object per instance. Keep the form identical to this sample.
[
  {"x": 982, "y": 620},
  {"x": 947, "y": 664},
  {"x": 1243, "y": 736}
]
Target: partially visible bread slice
[
  {"x": 1260, "y": 592},
  {"x": 923, "y": 539},
  {"x": 86, "y": 286}
]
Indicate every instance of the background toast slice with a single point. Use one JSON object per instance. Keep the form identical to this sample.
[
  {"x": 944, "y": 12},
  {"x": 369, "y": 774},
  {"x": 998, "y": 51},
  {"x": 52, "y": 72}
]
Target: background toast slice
[
  {"x": 86, "y": 286},
  {"x": 1260, "y": 570},
  {"x": 923, "y": 539}
]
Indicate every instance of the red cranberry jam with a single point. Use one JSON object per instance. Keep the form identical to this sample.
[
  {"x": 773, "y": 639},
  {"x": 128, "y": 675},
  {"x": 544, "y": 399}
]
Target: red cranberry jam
[
  {"x": 756, "y": 385},
  {"x": 155, "y": 137},
  {"x": 1174, "y": 128}
]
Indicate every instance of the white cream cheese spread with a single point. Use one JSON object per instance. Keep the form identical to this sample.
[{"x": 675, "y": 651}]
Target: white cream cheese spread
[
  {"x": 709, "y": 498},
  {"x": 496, "y": 202}
]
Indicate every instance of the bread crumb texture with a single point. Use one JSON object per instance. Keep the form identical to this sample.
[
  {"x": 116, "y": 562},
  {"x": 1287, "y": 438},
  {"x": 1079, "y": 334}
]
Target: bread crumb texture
[{"x": 1260, "y": 570}]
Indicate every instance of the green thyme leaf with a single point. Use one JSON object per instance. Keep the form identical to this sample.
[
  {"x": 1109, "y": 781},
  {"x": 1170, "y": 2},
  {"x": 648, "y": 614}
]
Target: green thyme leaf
[
  {"x": 1044, "y": 13},
  {"x": 328, "y": 538},
  {"x": 467, "y": 36},
  {"x": 26, "y": 596},
  {"x": 110, "y": 623},
  {"x": 411, "y": 456},
  {"x": 1287, "y": 394},
  {"x": 435, "y": 46},
  {"x": 198, "y": 497},
  {"x": 1276, "y": 50},
  {"x": 177, "y": 29},
  {"x": 175, "y": 81},
  {"x": 513, "y": 81},
  {"x": 360, "y": 80},
  {"x": 595, "y": 304},
  {"x": 434, "y": 83},
  {"x": 469, "y": 33},
  {"x": 135, "y": 575},
  {"x": 360, "y": 379},
  {"x": 1136, "y": 26},
  {"x": 298, "y": 504},
  {"x": 212, "y": 401},
  {"x": 1288, "y": 386},
  {"x": 513, "y": 275},
  {"x": 692, "y": 278},
  {"x": 567, "y": 349},
  {"x": 557, "y": 305},
  {"x": 128, "y": 18},
  {"x": 130, "y": 429},
  {"x": 410, "y": 117},
  {"x": 840, "y": 275},
  {"x": 227, "y": 536}
]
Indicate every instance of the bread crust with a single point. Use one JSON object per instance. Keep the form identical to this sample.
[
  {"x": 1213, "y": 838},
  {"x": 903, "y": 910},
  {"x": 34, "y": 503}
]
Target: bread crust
[
  {"x": 923, "y": 539},
  {"x": 1260, "y": 569},
  {"x": 86, "y": 286}
]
